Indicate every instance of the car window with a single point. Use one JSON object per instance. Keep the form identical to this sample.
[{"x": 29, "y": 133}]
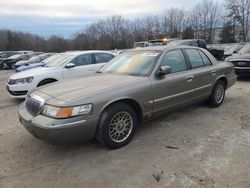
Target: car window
[
  {"x": 195, "y": 58},
  {"x": 176, "y": 60},
  {"x": 83, "y": 60},
  {"x": 205, "y": 59},
  {"x": 134, "y": 63},
  {"x": 103, "y": 57}
]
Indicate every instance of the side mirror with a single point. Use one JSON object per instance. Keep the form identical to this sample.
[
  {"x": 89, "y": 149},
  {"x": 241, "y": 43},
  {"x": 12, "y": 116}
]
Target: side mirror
[
  {"x": 163, "y": 71},
  {"x": 69, "y": 65}
]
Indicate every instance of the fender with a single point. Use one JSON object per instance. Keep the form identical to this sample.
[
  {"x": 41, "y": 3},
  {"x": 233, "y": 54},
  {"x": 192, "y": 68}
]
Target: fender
[{"x": 120, "y": 99}]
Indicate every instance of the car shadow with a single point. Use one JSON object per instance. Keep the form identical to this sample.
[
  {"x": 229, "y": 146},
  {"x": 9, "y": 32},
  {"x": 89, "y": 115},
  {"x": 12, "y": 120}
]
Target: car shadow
[
  {"x": 95, "y": 146},
  {"x": 244, "y": 78}
]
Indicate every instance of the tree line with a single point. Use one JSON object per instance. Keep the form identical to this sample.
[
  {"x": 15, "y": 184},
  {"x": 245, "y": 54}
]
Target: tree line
[{"x": 117, "y": 32}]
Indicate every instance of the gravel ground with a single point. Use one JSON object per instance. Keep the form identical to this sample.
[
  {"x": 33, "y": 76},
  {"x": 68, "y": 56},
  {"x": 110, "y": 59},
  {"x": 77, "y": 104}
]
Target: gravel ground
[{"x": 193, "y": 147}]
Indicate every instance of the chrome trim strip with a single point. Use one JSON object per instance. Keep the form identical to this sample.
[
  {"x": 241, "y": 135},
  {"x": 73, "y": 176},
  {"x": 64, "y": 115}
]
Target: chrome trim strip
[
  {"x": 182, "y": 93},
  {"x": 242, "y": 68},
  {"x": 61, "y": 125},
  {"x": 239, "y": 60}
]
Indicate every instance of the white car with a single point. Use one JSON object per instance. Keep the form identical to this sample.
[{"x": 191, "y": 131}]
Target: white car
[{"x": 69, "y": 65}]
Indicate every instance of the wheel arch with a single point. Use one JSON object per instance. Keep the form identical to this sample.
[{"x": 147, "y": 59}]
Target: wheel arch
[
  {"x": 45, "y": 79},
  {"x": 222, "y": 78},
  {"x": 127, "y": 100}
]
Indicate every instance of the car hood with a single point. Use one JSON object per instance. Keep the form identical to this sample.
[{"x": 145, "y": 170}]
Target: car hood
[
  {"x": 239, "y": 57},
  {"x": 73, "y": 89},
  {"x": 22, "y": 62},
  {"x": 30, "y": 66},
  {"x": 33, "y": 72}
]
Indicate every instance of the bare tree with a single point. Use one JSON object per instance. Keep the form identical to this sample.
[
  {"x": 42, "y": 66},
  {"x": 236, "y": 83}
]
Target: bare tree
[
  {"x": 239, "y": 11},
  {"x": 206, "y": 16}
]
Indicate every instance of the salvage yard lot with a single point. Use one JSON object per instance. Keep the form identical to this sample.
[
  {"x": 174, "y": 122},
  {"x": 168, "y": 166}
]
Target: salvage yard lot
[{"x": 193, "y": 147}]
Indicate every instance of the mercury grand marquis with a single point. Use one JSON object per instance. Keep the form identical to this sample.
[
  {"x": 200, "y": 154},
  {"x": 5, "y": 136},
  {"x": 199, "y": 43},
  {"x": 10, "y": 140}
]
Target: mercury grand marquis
[{"x": 134, "y": 86}]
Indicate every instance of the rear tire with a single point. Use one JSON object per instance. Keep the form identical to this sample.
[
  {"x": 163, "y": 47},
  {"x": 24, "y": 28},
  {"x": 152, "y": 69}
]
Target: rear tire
[
  {"x": 218, "y": 94},
  {"x": 117, "y": 125}
]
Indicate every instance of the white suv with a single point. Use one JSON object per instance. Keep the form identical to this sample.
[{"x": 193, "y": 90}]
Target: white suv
[{"x": 69, "y": 65}]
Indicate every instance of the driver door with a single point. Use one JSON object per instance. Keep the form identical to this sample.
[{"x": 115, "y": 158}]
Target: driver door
[{"x": 83, "y": 67}]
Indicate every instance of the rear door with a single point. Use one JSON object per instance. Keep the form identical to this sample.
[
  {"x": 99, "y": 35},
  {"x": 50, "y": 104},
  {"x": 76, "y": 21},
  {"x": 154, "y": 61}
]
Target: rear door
[
  {"x": 203, "y": 72},
  {"x": 175, "y": 88}
]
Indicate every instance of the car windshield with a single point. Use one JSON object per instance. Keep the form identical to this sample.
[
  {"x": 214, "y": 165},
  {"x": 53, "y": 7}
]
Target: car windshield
[
  {"x": 34, "y": 58},
  {"x": 51, "y": 58},
  {"x": 134, "y": 63},
  {"x": 61, "y": 60},
  {"x": 233, "y": 49},
  {"x": 15, "y": 56},
  {"x": 245, "y": 49}
]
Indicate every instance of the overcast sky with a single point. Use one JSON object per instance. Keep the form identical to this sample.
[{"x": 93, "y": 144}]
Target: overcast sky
[{"x": 65, "y": 17}]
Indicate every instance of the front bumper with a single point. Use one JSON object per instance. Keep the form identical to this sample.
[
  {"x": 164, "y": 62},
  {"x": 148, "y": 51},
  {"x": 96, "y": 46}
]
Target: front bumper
[
  {"x": 244, "y": 71},
  {"x": 20, "y": 90},
  {"x": 55, "y": 131}
]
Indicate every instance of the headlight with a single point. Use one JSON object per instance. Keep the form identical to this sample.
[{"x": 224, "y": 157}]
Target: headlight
[
  {"x": 66, "y": 112},
  {"x": 24, "y": 80}
]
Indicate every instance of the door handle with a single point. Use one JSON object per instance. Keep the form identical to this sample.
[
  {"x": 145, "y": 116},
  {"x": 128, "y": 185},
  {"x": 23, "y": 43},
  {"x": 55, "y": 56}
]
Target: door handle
[
  {"x": 190, "y": 78},
  {"x": 213, "y": 72}
]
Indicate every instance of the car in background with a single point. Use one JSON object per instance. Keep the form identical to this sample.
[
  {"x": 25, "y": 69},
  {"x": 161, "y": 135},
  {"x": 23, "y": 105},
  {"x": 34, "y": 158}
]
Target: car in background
[
  {"x": 141, "y": 44},
  {"x": 138, "y": 84},
  {"x": 216, "y": 52},
  {"x": 4, "y": 55},
  {"x": 233, "y": 49},
  {"x": 40, "y": 64},
  {"x": 10, "y": 62},
  {"x": 241, "y": 61},
  {"x": 158, "y": 42},
  {"x": 67, "y": 66},
  {"x": 34, "y": 59}
]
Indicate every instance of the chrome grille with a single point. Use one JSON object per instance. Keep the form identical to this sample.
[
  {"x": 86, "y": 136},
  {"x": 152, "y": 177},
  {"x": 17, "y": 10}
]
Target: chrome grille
[
  {"x": 34, "y": 104},
  {"x": 241, "y": 63}
]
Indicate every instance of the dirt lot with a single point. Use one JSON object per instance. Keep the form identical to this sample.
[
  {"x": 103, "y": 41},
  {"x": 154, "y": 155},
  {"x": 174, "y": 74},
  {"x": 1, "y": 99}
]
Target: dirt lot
[{"x": 193, "y": 147}]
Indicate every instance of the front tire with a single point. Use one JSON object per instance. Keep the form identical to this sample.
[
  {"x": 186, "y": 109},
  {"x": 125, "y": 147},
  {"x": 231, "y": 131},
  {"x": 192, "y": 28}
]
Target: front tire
[
  {"x": 117, "y": 125},
  {"x": 218, "y": 94}
]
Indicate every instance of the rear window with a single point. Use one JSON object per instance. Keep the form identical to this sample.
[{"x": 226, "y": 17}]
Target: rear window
[
  {"x": 205, "y": 59},
  {"x": 195, "y": 58}
]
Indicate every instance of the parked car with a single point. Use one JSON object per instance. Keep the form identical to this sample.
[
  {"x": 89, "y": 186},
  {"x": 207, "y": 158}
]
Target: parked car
[
  {"x": 34, "y": 59},
  {"x": 158, "y": 42},
  {"x": 11, "y": 61},
  {"x": 141, "y": 44},
  {"x": 69, "y": 65},
  {"x": 138, "y": 84},
  {"x": 4, "y": 56},
  {"x": 40, "y": 64},
  {"x": 241, "y": 61},
  {"x": 216, "y": 52},
  {"x": 233, "y": 49}
]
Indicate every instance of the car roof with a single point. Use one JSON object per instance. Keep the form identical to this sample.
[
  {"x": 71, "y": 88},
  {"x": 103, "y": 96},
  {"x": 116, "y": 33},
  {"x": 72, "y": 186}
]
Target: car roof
[
  {"x": 163, "y": 48},
  {"x": 87, "y": 52}
]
